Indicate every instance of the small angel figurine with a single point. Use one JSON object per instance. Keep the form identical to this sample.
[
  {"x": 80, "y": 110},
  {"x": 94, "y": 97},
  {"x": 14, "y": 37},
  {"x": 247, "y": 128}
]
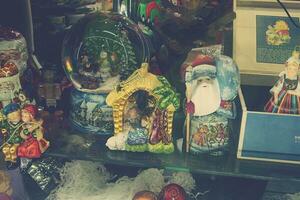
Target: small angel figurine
[
  {"x": 33, "y": 134},
  {"x": 286, "y": 92}
]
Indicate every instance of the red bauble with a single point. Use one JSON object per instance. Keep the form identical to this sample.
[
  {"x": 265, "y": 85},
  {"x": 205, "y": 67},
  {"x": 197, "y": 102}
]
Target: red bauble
[{"x": 172, "y": 192}]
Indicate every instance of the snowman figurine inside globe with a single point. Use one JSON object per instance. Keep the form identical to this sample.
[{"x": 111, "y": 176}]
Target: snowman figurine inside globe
[{"x": 99, "y": 51}]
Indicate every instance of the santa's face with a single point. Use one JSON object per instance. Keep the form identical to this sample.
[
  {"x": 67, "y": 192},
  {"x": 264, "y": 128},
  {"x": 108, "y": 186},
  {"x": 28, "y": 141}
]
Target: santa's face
[
  {"x": 205, "y": 82},
  {"x": 206, "y": 96}
]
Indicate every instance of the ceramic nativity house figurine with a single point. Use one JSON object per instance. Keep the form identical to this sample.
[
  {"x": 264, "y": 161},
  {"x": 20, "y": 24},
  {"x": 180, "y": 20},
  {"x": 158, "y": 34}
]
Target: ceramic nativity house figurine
[
  {"x": 212, "y": 83},
  {"x": 22, "y": 133},
  {"x": 286, "y": 92},
  {"x": 143, "y": 109}
]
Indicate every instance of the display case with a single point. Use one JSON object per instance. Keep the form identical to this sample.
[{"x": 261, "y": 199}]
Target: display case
[
  {"x": 78, "y": 134},
  {"x": 258, "y": 54}
]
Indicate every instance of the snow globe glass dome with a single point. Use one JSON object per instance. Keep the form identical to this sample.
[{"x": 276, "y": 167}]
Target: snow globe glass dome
[{"x": 102, "y": 49}]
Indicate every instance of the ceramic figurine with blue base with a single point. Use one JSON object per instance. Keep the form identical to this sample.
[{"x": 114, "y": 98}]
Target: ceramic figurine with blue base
[
  {"x": 99, "y": 51},
  {"x": 90, "y": 114},
  {"x": 143, "y": 109},
  {"x": 286, "y": 91},
  {"x": 211, "y": 86}
]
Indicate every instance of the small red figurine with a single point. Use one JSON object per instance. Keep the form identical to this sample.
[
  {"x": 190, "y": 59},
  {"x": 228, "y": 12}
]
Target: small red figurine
[{"x": 33, "y": 134}]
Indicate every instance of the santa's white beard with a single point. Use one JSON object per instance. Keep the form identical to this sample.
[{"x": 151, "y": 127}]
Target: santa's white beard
[{"x": 206, "y": 97}]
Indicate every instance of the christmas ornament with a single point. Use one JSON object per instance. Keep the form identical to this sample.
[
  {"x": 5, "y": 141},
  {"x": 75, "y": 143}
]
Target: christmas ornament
[
  {"x": 22, "y": 132},
  {"x": 211, "y": 86},
  {"x": 45, "y": 172},
  {"x": 13, "y": 61},
  {"x": 145, "y": 195},
  {"x": 143, "y": 109},
  {"x": 172, "y": 192},
  {"x": 33, "y": 134}
]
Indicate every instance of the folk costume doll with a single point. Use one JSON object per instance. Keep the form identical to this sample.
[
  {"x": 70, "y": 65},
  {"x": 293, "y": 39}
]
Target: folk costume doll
[
  {"x": 10, "y": 129},
  {"x": 211, "y": 86},
  {"x": 33, "y": 134},
  {"x": 286, "y": 92}
]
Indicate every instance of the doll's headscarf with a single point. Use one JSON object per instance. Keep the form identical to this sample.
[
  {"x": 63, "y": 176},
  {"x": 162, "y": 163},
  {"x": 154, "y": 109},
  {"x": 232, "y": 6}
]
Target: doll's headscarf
[
  {"x": 203, "y": 66},
  {"x": 32, "y": 109}
]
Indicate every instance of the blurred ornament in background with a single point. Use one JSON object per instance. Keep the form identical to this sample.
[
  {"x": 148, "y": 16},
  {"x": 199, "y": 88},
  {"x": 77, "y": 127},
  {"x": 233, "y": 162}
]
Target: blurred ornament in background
[{"x": 145, "y": 195}]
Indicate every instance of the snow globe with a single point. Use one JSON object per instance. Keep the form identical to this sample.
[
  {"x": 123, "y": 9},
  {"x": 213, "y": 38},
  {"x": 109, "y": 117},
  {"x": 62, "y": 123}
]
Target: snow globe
[{"x": 98, "y": 52}]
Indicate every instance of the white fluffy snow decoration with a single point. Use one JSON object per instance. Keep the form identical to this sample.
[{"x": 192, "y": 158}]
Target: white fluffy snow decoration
[
  {"x": 150, "y": 179},
  {"x": 82, "y": 180},
  {"x": 295, "y": 196},
  {"x": 183, "y": 179}
]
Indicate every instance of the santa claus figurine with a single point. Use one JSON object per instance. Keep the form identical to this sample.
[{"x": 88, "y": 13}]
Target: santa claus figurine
[{"x": 211, "y": 86}]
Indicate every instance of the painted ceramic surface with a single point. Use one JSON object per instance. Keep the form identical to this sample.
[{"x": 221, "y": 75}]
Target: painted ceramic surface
[
  {"x": 102, "y": 49},
  {"x": 143, "y": 107},
  {"x": 9, "y": 88},
  {"x": 228, "y": 77},
  {"x": 13, "y": 49},
  {"x": 90, "y": 113},
  {"x": 13, "y": 61},
  {"x": 212, "y": 84},
  {"x": 208, "y": 133}
]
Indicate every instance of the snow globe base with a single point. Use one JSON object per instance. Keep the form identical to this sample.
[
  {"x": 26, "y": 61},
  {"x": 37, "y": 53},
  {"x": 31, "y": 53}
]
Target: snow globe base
[{"x": 90, "y": 113}]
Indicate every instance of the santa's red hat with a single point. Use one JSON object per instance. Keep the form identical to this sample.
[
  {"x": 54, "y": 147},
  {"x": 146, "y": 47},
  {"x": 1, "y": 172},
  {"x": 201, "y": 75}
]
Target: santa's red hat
[
  {"x": 202, "y": 59},
  {"x": 202, "y": 63}
]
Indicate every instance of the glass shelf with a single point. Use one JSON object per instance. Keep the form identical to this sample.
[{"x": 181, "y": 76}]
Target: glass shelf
[{"x": 92, "y": 147}]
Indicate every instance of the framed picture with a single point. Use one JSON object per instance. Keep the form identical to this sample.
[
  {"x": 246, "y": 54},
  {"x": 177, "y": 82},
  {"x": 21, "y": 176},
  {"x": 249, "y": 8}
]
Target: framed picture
[{"x": 264, "y": 36}]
